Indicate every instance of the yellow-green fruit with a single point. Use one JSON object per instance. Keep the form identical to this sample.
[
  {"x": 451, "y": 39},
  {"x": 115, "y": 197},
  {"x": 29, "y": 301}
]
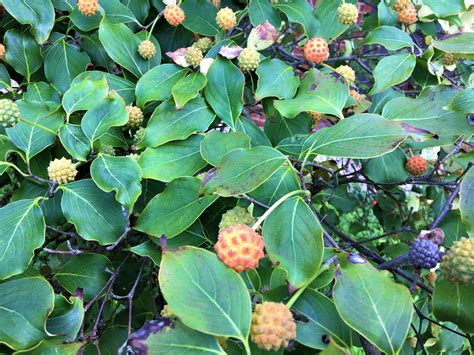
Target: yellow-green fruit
[
  {"x": 272, "y": 326},
  {"x": 88, "y": 7},
  {"x": 62, "y": 171},
  {"x": 203, "y": 44},
  {"x": 139, "y": 134},
  {"x": 9, "y": 113},
  {"x": 167, "y": 312},
  {"x": 347, "y": 14},
  {"x": 448, "y": 59},
  {"x": 107, "y": 150},
  {"x": 134, "y": 156},
  {"x": 147, "y": 49},
  {"x": 249, "y": 59},
  {"x": 135, "y": 116},
  {"x": 193, "y": 56},
  {"x": 235, "y": 216},
  {"x": 401, "y": 4},
  {"x": 458, "y": 263},
  {"x": 347, "y": 72},
  {"x": 226, "y": 18},
  {"x": 356, "y": 96}
]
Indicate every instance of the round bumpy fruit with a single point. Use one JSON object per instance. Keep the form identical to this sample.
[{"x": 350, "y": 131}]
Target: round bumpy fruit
[
  {"x": 316, "y": 116},
  {"x": 240, "y": 248},
  {"x": 2, "y": 50},
  {"x": 139, "y": 134},
  {"x": 235, "y": 216},
  {"x": 416, "y": 165},
  {"x": 249, "y": 59},
  {"x": 347, "y": 14},
  {"x": 88, "y": 7},
  {"x": 135, "y": 116},
  {"x": 316, "y": 50},
  {"x": 174, "y": 15},
  {"x": 356, "y": 96},
  {"x": 9, "y": 113},
  {"x": 458, "y": 263},
  {"x": 107, "y": 150},
  {"x": 147, "y": 49},
  {"x": 62, "y": 171},
  {"x": 347, "y": 72},
  {"x": 408, "y": 15},
  {"x": 226, "y": 18},
  {"x": 272, "y": 326},
  {"x": 399, "y": 5},
  {"x": 193, "y": 56},
  {"x": 448, "y": 59},
  {"x": 203, "y": 44},
  {"x": 424, "y": 254}
]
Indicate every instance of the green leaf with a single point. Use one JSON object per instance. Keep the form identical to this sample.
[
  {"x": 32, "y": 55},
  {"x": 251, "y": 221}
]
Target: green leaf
[
  {"x": 329, "y": 25},
  {"x": 388, "y": 168},
  {"x": 360, "y": 136},
  {"x": 75, "y": 141},
  {"x": 302, "y": 12},
  {"x": 462, "y": 43},
  {"x": 23, "y": 53},
  {"x": 67, "y": 317},
  {"x": 119, "y": 174},
  {"x": 175, "y": 209},
  {"x": 122, "y": 44},
  {"x": 371, "y": 303},
  {"x": 188, "y": 88},
  {"x": 243, "y": 170},
  {"x": 148, "y": 249},
  {"x": 85, "y": 271},
  {"x": 197, "y": 274},
  {"x": 261, "y": 11},
  {"x": 323, "y": 320},
  {"x": 22, "y": 231},
  {"x": 68, "y": 57},
  {"x": 318, "y": 92},
  {"x": 217, "y": 144},
  {"x": 42, "y": 92},
  {"x": 278, "y": 128},
  {"x": 454, "y": 303},
  {"x": 169, "y": 124},
  {"x": 156, "y": 84},
  {"x": 53, "y": 347},
  {"x": 466, "y": 206},
  {"x": 110, "y": 112},
  {"x": 37, "y": 13},
  {"x": 5, "y": 80},
  {"x": 446, "y": 7},
  {"x": 178, "y": 340},
  {"x": 224, "y": 90},
  {"x": 391, "y": 38},
  {"x": 294, "y": 240},
  {"x": 276, "y": 79},
  {"x": 392, "y": 70},
  {"x": 39, "y": 132},
  {"x": 173, "y": 160},
  {"x": 463, "y": 102},
  {"x": 200, "y": 17},
  {"x": 95, "y": 214},
  {"x": 23, "y": 314},
  {"x": 84, "y": 95},
  {"x": 257, "y": 137}
]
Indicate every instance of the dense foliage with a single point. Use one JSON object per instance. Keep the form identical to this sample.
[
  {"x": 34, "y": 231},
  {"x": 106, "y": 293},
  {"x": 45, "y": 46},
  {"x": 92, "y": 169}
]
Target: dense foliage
[{"x": 233, "y": 176}]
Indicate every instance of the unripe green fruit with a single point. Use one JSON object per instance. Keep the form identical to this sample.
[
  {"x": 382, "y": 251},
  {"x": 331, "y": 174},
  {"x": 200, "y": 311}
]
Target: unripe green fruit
[
  {"x": 458, "y": 263},
  {"x": 193, "y": 56},
  {"x": 147, "y": 49},
  {"x": 9, "y": 113},
  {"x": 135, "y": 116},
  {"x": 139, "y": 134},
  {"x": 448, "y": 59},
  {"x": 249, "y": 59},
  {"x": 107, "y": 150},
  {"x": 347, "y": 14},
  {"x": 203, "y": 44},
  {"x": 62, "y": 171},
  {"x": 347, "y": 72},
  {"x": 236, "y": 216}
]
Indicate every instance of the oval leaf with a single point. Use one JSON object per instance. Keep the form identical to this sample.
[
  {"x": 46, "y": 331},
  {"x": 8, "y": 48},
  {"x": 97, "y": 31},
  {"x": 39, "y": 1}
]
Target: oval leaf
[{"x": 392, "y": 70}]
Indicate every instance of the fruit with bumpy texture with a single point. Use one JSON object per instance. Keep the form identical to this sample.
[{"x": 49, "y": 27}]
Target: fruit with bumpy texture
[
  {"x": 203, "y": 44},
  {"x": 135, "y": 116},
  {"x": 249, "y": 59},
  {"x": 316, "y": 116},
  {"x": 2, "y": 50},
  {"x": 62, "y": 171},
  {"x": 401, "y": 4},
  {"x": 193, "y": 56},
  {"x": 147, "y": 49},
  {"x": 9, "y": 113},
  {"x": 347, "y": 72},
  {"x": 139, "y": 134},
  {"x": 240, "y": 248},
  {"x": 347, "y": 14},
  {"x": 424, "y": 254},
  {"x": 416, "y": 165},
  {"x": 408, "y": 15},
  {"x": 88, "y": 7},
  {"x": 235, "y": 216},
  {"x": 316, "y": 50},
  {"x": 107, "y": 150},
  {"x": 167, "y": 312},
  {"x": 448, "y": 59},
  {"x": 356, "y": 96},
  {"x": 273, "y": 326},
  {"x": 226, "y": 18},
  {"x": 458, "y": 263},
  {"x": 174, "y": 15}
]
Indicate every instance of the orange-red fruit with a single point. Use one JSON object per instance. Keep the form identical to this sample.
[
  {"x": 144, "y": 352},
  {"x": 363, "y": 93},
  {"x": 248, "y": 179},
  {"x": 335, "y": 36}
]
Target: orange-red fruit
[
  {"x": 273, "y": 326},
  {"x": 408, "y": 15},
  {"x": 174, "y": 15},
  {"x": 416, "y": 165},
  {"x": 316, "y": 50},
  {"x": 88, "y": 7},
  {"x": 2, "y": 50},
  {"x": 240, "y": 248},
  {"x": 355, "y": 95}
]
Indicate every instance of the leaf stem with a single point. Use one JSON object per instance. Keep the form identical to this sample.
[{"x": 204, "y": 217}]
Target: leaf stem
[
  {"x": 298, "y": 293},
  {"x": 247, "y": 346}
]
